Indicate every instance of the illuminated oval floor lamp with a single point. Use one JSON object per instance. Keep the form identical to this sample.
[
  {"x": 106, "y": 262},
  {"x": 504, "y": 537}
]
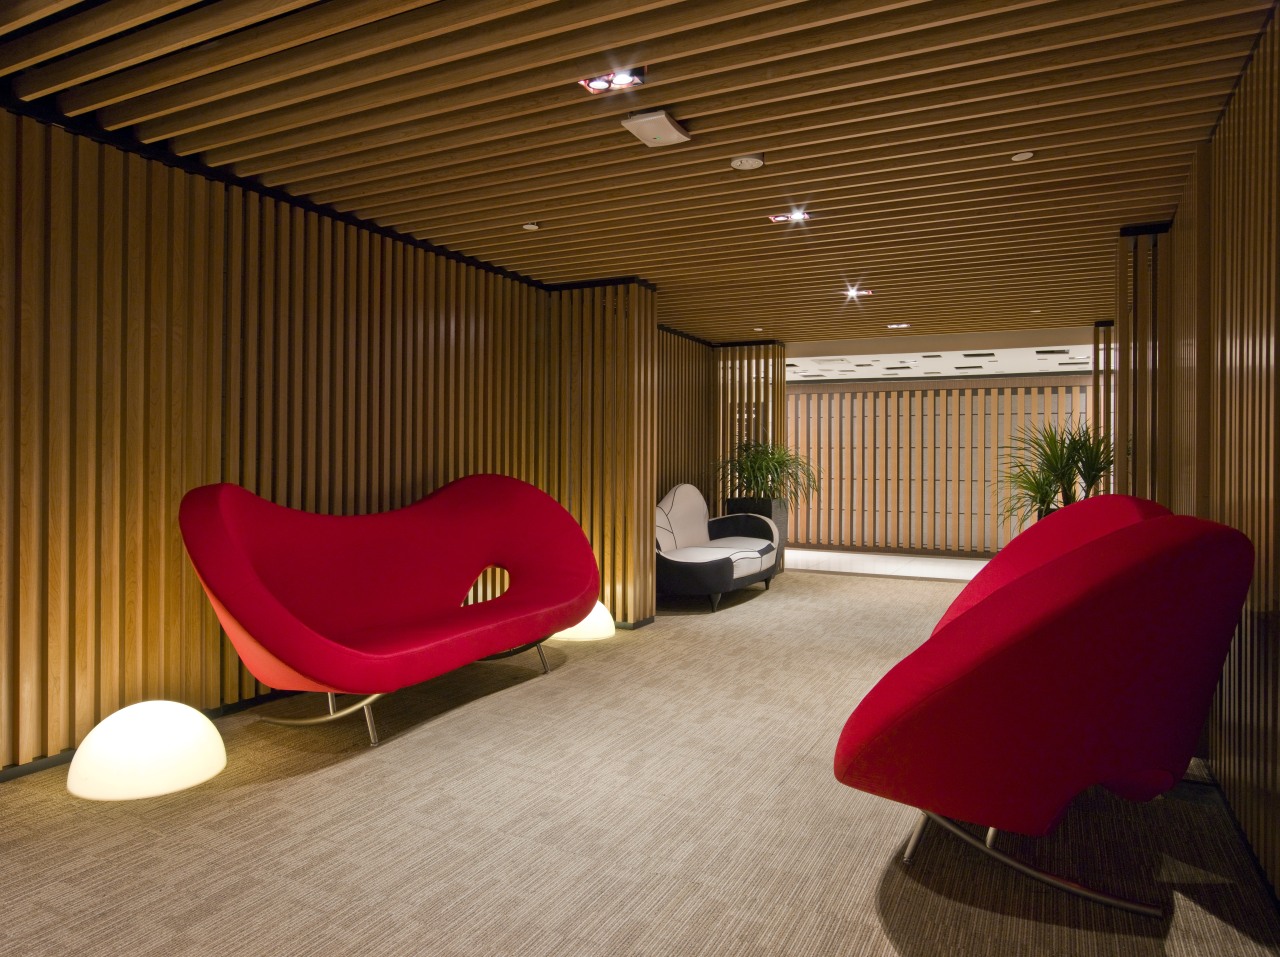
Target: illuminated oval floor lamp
[
  {"x": 598, "y": 624},
  {"x": 145, "y": 750}
]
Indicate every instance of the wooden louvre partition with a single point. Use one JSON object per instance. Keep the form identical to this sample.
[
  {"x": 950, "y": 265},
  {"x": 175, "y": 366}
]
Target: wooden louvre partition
[
  {"x": 1224, "y": 414},
  {"x": 686, "y": 398},
  {"x": 601, "y": 356},
  {"x": 159, "y": 331},
  {"x": 915, "y": 466},
  {"x": 751, "y": 388}
]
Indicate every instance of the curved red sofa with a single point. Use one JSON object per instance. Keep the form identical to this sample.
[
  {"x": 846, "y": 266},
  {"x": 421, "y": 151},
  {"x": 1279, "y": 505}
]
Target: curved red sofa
[
  {"x": 1086, "y": 652},
  {"x": 368, "y": 604}
]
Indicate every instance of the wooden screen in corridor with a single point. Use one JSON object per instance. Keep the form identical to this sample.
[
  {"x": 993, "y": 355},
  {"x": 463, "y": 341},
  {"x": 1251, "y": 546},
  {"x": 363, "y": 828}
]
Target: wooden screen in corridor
[{"x": 916, "y": 466}]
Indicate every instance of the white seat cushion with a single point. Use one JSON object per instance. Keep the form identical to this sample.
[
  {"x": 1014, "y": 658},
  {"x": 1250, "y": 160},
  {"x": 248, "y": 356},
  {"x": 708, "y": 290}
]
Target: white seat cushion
[{"x": 748, "y": 554}]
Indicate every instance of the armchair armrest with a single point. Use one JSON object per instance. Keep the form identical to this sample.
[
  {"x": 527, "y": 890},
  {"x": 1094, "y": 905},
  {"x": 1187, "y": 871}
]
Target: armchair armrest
[{"x": 743, "y": 523}]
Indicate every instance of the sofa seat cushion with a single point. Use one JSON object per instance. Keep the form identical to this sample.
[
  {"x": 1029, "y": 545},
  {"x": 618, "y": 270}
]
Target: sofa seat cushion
[{"x": 749, "y": 555}]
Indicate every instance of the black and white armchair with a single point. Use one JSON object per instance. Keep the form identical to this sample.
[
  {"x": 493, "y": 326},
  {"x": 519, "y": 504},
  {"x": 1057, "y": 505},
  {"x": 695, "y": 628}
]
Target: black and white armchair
[{"x": 697, "y": 556}]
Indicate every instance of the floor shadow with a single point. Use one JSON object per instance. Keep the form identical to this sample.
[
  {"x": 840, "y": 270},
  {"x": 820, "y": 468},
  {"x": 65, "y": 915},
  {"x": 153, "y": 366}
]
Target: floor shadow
[
  {"x": 681, "y": 606},
  {"x": 259, "y": 751},
  {"x": 1155, "y": 853}
]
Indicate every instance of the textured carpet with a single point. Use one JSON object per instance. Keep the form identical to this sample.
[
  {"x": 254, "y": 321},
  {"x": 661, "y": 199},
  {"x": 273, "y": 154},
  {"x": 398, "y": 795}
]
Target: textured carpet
[{"x": 665, "y": 792}]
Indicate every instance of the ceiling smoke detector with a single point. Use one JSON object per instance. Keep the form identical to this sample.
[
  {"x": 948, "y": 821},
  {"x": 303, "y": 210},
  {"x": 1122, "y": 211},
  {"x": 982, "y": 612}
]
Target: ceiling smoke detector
[
  {"x": 656, "y": 128},
  {"x": 747, "y": 161}
]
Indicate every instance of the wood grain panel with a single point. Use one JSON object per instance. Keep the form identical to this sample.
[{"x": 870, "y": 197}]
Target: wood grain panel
[
  {"x": 602, "y": 344},
  {"x": 160, "y": 331},
  {"x": 686, "y": 404},
  {"x": 1233, "y": 217},
  {"x": 751, "y": 388},
  {"x": 917, "y": 468}
]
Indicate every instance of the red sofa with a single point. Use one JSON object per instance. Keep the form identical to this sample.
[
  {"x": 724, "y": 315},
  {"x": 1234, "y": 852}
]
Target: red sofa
[
  {"x": 370, "y": 604},
  {"x": 1086, "y": 652}
]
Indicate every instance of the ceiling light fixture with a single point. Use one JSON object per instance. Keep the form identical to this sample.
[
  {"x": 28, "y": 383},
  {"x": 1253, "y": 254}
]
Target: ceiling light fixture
[
  {"x": 758, "y": 328},
  {"x": 795, "y": 216},
  {"x": 855, "y": 292},
  {"x": 1022, "y": 156},
  {"x": 617, "y": 80},
  {"x": 898, "y": 325},
  {"x": 532, "y": 227},
  {"x": 747, "y": 161}
]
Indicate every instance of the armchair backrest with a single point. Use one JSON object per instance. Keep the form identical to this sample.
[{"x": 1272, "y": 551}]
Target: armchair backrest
[
  {"x": 682, "y": 519},
  {"x": 1093, "y": 662}
]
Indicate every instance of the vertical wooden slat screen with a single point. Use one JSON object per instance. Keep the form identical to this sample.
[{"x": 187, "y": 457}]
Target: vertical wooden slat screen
[
  {"x": 1145, "y": 348},
  {"x": 160, "y": 331},
  {"x": 686, "y": 413},
  {"x": 1242, "y": 271},
  {"x": 602, "y": 348},
  {"x": 111, "y": 349},
  {"x": 1184, "y": 479},
  {"x": 915, "y": 467},
  {"x": 750, "y": 400}
]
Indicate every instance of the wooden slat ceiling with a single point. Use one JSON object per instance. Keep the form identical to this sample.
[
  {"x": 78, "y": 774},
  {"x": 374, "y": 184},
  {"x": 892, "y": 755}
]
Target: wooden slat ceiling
[{"x": 891, "y": 122}]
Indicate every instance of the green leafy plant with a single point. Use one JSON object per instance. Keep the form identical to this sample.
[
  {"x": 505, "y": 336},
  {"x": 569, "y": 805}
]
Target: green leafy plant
[
  {"x": 1053, "y": 465},
  {"x": 766, "y": 470}
]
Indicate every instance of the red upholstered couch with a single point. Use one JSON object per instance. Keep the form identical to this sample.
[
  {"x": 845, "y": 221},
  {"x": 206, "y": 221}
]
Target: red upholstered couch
[
  {"x": 373, "y": 603},
  {"x": 1086, "y": 652}
]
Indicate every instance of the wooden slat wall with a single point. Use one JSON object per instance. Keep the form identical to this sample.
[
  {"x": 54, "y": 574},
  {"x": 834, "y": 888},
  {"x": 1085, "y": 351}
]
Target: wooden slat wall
[
  {"x": 686, "y": 409},
  {"x": 916, "y": 466},
  {"x": 750, "y": 400},
  {"x": 111, "y": 355},
  {"x": 1184, "y": 480},
  {"x": 160, "y": 331},
  {"x": 602, "y": 346},
  {"x": 1245, "y": 330}
]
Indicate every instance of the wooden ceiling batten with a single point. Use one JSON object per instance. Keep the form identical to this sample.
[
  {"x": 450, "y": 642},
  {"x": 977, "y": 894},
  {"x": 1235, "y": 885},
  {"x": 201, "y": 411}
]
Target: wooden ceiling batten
[
  {"x": 295, "y": 70},
  {"x": 691, "y": 29},
  {"x": 97, "y": 23},
  {"x": 150, "y": 44},
  {"x": 794, "y": 173},
  {"x": 1112, "y": 126},
  {"x": 322, "y": 20},
  {"x": 892, "y": 122},
  {"x": 17, "y": 14},
  {"x": 993, "y": 97},
  {"x": 1032, "y": 54}
]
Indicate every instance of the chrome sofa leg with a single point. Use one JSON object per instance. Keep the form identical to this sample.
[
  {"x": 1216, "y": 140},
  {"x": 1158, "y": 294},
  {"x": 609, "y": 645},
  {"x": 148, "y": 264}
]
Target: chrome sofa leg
[
  {"x": 1098, "y": 897},
  {"x": 914, "y": 841},
  {"x": 546, "y": 669},
  {"x": 991, "y": 836},
  {"x": 333, "y": 702},
  {"x": 333, "y": 715}
]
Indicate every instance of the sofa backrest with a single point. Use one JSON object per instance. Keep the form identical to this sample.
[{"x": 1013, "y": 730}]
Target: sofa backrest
[
  {"x": 682, "y": 519},
  {"x": 1052, "y": 537},
  {"x": 1094, "y": 663},
  {"x": 345, "y": 574}
]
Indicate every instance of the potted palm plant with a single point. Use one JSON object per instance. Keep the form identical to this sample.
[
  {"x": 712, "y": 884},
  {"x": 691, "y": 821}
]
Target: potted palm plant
[
  {"x": 1052, "y": 465},
  {"x": 763, "y": 478}
]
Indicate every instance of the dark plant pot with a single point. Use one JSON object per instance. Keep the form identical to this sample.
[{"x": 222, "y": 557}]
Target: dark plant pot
[{"x": 774, "y": 508}]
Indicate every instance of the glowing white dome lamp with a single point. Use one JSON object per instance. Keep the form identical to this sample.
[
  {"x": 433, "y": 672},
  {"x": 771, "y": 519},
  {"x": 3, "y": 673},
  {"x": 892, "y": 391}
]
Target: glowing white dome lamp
[
  {"x": 598, "y": 624},
  {"x": 144, "y": 750}
]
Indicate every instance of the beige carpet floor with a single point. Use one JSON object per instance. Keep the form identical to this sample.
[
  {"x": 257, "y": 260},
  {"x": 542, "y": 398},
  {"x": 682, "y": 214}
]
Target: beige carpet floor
[{"x": 667, "y": 792}]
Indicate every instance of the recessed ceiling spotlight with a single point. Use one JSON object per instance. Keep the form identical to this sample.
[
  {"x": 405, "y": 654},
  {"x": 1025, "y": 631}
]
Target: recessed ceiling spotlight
[
  {"x": 758, "y": 328},
  {"x": 1022, "y": 156},
  {"x": 795, "y": 216},
  {"x": 617, "y": 80},
  {"x": 747, "y": 161},
  {"x": 898, "y": 325},
  {"x": 1036, "y": 312},
  {"x": 532, "y": 227},
  {"x": 856, "y": 292}
]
